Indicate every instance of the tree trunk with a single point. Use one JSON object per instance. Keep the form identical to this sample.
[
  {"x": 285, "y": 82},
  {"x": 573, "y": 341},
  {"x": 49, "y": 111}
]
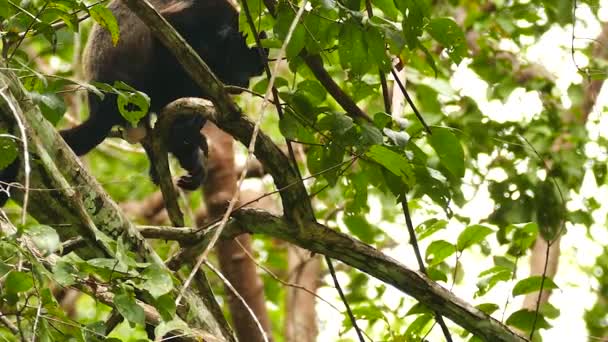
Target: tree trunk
[
  {"x": 301, "y": 316},
  {"x": 236, "y": 266}
]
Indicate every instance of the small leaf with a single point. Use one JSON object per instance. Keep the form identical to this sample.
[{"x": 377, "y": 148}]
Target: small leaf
[
  {"x": 491, "y": 277},
  {"x": 399, "y": 138},
  {"x": 395, "y": 163},
  {"x": 352, "y": 48},
  {"x": 17, "y": 282},
  {"x": 45, "y": 238},
  {"x": 449, "y": 150},
  {"x": 382, "y": 119},
  {"x": 523, "y": 320},
  {"x": 487, "y": 308},
  {"x": 436, "y": 274},
  {"x": 359, "y": 226},
  {"x": 369, "y": 135},
  {"x": 418, "y": 309},
  {"x": 472, "y": 235},
  {"x": 449, "y": 34},
  {"x": 127, "y": 306},
  {"x": 165, "y": 305},
  {"x": 158, "y": 281},
  {"x": 51, "y": 105},
  {"x": 8, "y": 150},
  {"x": 282, "y": 25},
  {"x": 438, "y": 251},
  {"x": 104, "y": 17},
  {"x": 417, "y": 328},
  {"x": 314, "y": 90},
  {"x": 166, "y": 327},
  {"x": 132, "y": 104},
  {"x": 334, "y": 122},
  {"x": 429, "y": 227},
  {"x": 532, "y": 284},
  {"x": 4, "y": 268},
  {"x": 63, "y": 273}
]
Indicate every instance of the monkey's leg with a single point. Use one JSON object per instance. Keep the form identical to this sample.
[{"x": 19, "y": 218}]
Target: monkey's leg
[
  {"x": 7, "y": 176},
  {"x": 188, "y": 145}
]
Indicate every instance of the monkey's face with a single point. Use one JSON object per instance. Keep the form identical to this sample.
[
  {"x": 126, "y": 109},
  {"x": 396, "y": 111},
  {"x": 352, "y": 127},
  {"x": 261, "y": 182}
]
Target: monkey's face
[{"x": 239, "y": 62}]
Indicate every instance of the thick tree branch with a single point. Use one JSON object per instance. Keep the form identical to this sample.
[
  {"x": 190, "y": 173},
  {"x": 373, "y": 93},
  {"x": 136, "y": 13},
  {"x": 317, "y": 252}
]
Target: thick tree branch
[
  {"x": 320, "y": 239},
  {"x": 85, "y": 209}
]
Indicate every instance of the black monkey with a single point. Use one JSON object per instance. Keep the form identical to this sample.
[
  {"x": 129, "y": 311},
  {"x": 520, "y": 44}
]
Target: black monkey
[
  {"x": 143, "y": 62},
  {"x": 140, "y": 60}
]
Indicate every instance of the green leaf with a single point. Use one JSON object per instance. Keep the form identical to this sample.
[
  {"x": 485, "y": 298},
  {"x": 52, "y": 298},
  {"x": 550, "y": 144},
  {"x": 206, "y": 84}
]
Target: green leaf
[
  {"x": 382, "y": 119},
  {"x": 63, "y": 273},
  {"x": 369, "y": 136},
  {"x": 414, "y": 14},
  {"x": 104, "y": 17},
  {"x": 472, "y": 235},
  {"x": 165, "y": 305},
  {"x": 336, "y": 123},
  {"x": 532, "y": 284},
  {"x": 399, "y": 138},
  {"x": 438, "y": 251},
  {"x": 17, "y": 282},
  {"x": 418, "y": 309},
  {"x": 550, "y": 209},
  {"x": 127, "y": 306},
  {"x": 352, "y": 48},
  {"x": 491, "y": 277},
  {"x": 158, "y": 281},
  {"x": 45, "y": 238},
  {"x": 4, "y": 268},
  {"x": 429, "y": 227},
  {"x": 488, "y": 308},
  {"x": 51, "y": 105},
  {"x": 377, "y": 48},
  {"x": 285, "y": 17},
  {"x": 523, "y": 320},
  {"x": 524, "y": 236},
  {"x": 418, "y": 327},
  {"x": 326, "y": 161},
  {"x": 314, "y": 91},
  {"x": 166, "y": 327},
  {"x": 449, "y": 150},
  {"x": 449, "y": 34},
  {"x": 395, "y": 163},
  {"x": 132, "y": 104},
  {"x": 359, "y": 226},
  {"x": 8, "y": 150},
  {"x": 436, "y": 274}
]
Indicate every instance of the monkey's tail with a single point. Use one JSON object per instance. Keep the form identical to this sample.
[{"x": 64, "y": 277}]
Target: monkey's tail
[{"x": 88, "y": 134}]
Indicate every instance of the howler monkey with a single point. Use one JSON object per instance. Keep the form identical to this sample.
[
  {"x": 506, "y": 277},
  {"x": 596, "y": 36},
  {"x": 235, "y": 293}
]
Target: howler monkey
[{"x": 143, "y": 62}]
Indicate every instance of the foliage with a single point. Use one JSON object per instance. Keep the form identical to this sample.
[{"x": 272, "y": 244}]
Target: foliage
[{"x": 362, "y": 169}]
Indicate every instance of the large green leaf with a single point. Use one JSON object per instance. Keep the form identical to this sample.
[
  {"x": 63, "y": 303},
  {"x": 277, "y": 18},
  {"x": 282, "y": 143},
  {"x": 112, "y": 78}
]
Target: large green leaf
[{"x": 449, "y": 150}]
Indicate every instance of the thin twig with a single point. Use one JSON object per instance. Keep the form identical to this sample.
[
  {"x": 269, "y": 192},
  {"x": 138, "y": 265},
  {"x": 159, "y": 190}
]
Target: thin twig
[
  {"x": 275, "y": 277},
  {"x": 26, "y": 155},
  {"x": 8, "y": 324},
  {"x": 332, "y": 271},
  {"x": 414, "y": 242},
  {"x": 241, "y": 299},
  {"x": 410, "y": 102}
]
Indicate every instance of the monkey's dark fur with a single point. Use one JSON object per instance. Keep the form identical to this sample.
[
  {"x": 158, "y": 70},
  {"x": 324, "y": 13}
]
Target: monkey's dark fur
[{"x": 140, "y": 60}]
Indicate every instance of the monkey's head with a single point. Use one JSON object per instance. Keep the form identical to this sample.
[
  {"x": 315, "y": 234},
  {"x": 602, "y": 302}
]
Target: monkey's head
[{"x": 240, "y": 62}]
